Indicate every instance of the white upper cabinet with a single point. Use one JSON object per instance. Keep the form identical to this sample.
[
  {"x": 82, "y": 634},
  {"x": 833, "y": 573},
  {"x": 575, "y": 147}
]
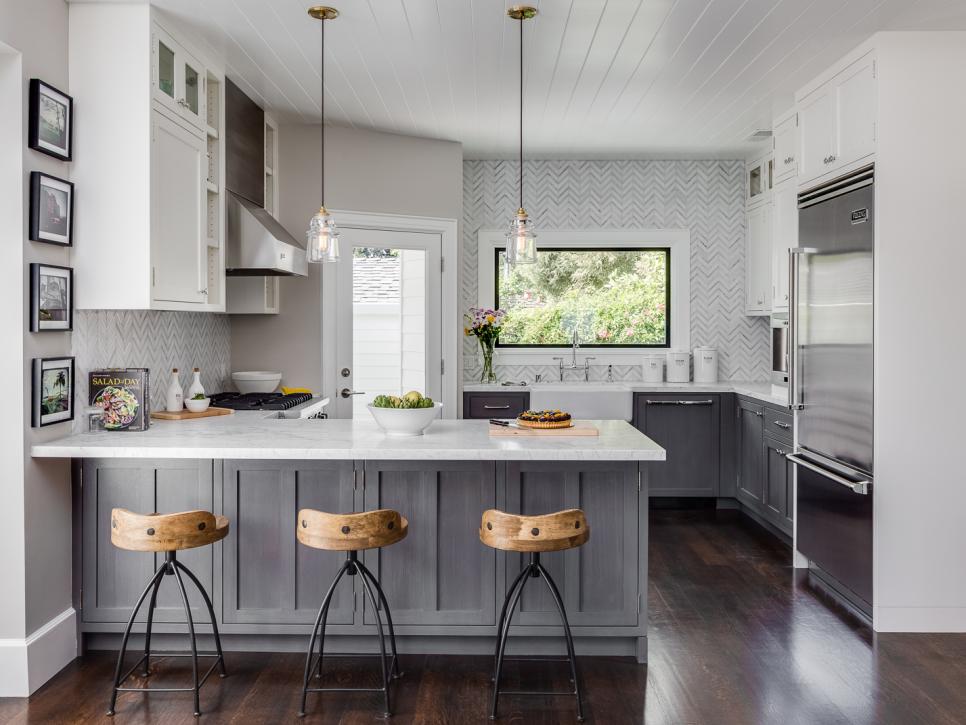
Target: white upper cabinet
[
  {"x": 179, "y": 79},
  {"x": 151, "y": 168},
  {"x": 836, "y": 122},
  {"x": 758, "y": 235},
  {"x": 784, "y": 237},
  {"x": 759, "y": 179},
  {"x": 178, "y": 207},
  {"x": 786, "y": 147}
]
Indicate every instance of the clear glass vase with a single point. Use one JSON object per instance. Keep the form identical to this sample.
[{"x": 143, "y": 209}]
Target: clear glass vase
[{"x": 487, "y": 375}]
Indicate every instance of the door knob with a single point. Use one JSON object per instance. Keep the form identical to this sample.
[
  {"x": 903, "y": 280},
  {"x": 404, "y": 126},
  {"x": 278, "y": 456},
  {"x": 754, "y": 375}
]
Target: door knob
[{"x": 346, "y": 393}]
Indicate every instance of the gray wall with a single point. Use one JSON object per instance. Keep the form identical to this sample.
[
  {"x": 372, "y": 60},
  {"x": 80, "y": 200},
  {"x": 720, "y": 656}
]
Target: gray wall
[
  {"x": 35, "y": 519},
  {"x": 365, "y": 171},
  {"x": 707, "y": 197}
]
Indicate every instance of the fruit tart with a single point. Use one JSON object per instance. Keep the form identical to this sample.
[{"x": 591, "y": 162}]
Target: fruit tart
[{"x": 544, "y": 419}]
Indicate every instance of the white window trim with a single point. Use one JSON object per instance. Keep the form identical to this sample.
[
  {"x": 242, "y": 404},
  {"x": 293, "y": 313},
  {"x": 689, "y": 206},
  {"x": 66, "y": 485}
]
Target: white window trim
[{"x": 679, "y": 242}]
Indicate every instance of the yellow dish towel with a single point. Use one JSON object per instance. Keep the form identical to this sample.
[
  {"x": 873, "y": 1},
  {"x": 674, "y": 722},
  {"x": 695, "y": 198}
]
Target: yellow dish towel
[{"x": 289, "y": 391}]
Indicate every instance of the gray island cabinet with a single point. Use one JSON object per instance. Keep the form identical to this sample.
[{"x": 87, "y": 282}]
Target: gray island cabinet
[{"x": 444, "y": 586}]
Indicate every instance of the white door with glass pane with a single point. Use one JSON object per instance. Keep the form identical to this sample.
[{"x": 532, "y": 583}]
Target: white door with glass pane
[{"x": 388, "y": 319}]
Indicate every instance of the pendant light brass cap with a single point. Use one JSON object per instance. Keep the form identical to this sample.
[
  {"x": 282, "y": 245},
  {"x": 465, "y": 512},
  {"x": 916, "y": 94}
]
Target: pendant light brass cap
[
  {"x": 522, "y": 12},
  {"x": 323, "y": 12}
]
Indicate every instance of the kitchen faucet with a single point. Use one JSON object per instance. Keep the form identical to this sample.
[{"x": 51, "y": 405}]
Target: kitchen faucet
[{"x": 575, "y": 344}]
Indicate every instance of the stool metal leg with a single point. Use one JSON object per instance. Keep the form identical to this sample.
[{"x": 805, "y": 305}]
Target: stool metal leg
[
  {"x": 211, "y": 614},
  {"x": 127, "y": 634},
  {"x": 319, "y": 620},
  {"x": 394, "y": 672},
  {"x": 499, "y": 626},
  {"x": 382, "y": 642},
  {"x": 191, "y": 634},
  {"x": 147, "y": 633},
  {"x": 567, "y": 634},
  {"x": 504, "y": 632}
]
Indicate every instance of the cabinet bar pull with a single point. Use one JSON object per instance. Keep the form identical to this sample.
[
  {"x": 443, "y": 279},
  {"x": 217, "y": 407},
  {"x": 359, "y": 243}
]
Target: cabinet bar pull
[
  {"x": 496, "y": 407},
  {"x": 786, "y": 426},
  {"x": 680, "y": 402}
]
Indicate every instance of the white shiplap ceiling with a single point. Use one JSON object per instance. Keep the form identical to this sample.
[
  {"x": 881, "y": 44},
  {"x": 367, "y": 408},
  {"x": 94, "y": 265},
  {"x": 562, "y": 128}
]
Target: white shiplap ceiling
[{"x": 603, "y": 78}]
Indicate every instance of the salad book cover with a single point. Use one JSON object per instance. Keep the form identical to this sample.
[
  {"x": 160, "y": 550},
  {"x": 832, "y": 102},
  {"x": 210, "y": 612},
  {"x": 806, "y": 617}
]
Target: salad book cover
[{"x": 124, "y": 397}]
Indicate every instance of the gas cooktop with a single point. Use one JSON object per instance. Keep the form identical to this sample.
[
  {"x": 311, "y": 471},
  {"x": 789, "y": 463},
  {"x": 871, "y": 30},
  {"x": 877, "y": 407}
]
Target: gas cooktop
[{"x": 259, "y": 401}]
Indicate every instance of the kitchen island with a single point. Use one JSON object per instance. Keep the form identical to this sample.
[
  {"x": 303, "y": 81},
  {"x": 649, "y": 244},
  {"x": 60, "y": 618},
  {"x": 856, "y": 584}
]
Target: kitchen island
[{"x": 444, "y": 586}]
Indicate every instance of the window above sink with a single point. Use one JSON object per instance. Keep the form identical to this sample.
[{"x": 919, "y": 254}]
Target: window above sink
[{"x": 647, "y": 273}]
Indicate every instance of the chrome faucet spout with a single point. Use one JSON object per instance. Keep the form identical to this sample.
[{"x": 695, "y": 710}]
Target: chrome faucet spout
[{"x": 576, "y": 344}]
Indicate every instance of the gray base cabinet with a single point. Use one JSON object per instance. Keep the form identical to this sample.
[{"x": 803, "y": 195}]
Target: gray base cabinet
[
  {"x": 688, "y": 428},
  {"x": 495, "y": 405},
  {"x": 112, "y": 579},
  {"x": 763, "y": 438},
  {"x": 267, "y": 576},
  {"x": 601, "y": 582},
  {"x": 441, "y": 581},
  {"x": 440, "y": 574}
]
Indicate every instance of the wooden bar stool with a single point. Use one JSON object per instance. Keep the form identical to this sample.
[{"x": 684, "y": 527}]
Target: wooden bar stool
[
  {"x": 168, "y": 533},
  {"x": 352, "y": 533},
  {"x": 533, "y": 534}
]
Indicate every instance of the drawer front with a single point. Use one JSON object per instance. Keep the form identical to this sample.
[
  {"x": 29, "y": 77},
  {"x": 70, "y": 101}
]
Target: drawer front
[
  {"x": 778, "y": 424},
  {"x": 494, "y": 405}
]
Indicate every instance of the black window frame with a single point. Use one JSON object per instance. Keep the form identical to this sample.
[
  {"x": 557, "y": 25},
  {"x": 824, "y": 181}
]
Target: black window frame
[{"x": 497, "y": 251}]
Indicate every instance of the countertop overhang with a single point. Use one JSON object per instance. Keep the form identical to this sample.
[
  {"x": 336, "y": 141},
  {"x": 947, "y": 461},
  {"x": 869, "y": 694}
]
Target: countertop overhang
[{"x": 254, "y": 436}]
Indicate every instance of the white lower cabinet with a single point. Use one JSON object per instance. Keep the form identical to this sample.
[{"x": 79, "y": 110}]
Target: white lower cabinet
[
  {"x": 179, "y": 168},
  {"x": 758, "y": 234}
]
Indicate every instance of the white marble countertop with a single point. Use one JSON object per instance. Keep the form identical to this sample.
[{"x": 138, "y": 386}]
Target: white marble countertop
[
  {"x": 759, "y": 391},
  {"x": 255, "y": 436}
]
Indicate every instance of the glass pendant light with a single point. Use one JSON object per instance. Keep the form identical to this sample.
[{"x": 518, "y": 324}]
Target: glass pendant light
[
  {"x": 322, "y": 236},
  {"x": 521, "y": 242}
]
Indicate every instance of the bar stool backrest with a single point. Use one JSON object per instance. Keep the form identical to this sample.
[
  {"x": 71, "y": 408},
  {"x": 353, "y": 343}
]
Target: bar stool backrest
[
  {"x": 351, "y": 532},
  {"x": 551, "y": 532},
  {"x": 166, "y": 532}
]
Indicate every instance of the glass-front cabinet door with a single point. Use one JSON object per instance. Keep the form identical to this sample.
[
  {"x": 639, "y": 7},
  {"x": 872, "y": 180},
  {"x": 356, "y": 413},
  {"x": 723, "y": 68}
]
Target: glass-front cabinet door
[{"x": 178, "y": 79}]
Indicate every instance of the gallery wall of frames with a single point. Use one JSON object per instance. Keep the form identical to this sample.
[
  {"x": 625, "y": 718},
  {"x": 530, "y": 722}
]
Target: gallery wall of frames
[{"x": 51, "y": 221}]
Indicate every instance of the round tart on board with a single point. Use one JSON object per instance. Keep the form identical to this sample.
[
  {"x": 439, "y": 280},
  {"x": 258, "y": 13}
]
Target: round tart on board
[{"x": 544, "y": 419}]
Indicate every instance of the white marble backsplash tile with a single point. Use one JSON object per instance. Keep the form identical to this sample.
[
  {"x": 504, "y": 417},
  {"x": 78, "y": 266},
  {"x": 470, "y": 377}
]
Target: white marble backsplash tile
[
  {"x": 151, "y": 339},
  {"x": 706, "y": 197}
]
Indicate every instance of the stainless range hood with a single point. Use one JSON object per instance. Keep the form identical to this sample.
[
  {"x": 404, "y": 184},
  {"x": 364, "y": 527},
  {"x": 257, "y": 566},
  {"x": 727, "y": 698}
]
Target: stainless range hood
[{"x": 258, "y": 245}]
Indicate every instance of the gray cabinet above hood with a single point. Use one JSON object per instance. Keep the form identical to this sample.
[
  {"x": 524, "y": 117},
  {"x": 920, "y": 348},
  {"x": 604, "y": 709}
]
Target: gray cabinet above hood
[{"x": 257, "y": 245}]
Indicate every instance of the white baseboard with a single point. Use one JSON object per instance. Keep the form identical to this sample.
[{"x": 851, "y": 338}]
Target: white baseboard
[
  {"x": 919, "y": 619},
  {"x": 26, "y": 664}
]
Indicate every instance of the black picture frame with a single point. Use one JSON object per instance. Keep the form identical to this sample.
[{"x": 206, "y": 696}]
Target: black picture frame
[
  {"x": 62, "y": 371},
  {"x": 47, "y": 132},
  {"x": 41, "y": 292},
  {"x": 44, "y": 227}
]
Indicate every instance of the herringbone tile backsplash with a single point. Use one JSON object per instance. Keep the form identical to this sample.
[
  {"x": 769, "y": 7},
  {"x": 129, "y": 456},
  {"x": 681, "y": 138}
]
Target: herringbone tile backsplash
[
  {"x": 155, "y": 340},
  {"x": 706, "y": 197}
]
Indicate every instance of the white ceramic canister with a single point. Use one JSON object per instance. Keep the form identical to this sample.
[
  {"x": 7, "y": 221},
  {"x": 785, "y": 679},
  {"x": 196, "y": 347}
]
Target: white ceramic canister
[
  {"x": 678, "y": 366},
  {"x": 653, "y": 368},
  {"x": 705, "y": 365}
]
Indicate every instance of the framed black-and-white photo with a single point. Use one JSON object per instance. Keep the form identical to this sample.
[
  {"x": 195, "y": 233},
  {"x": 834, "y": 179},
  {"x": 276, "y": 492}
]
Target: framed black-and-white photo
[
  {"x": 51, "y": 120},
  {"x": 51, "y": 297},
  {"x": 53, "y": 391},
  {"x": 51, "y": 209}
]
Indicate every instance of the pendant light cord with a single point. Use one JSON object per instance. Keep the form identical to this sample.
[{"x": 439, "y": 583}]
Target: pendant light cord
[
  {"x": 322, "y": 107},
  {"x": 521, "y": 112}
]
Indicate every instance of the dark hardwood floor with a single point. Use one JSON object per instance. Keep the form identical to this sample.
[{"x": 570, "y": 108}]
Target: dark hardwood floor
[{"x": 735, "y": 637}]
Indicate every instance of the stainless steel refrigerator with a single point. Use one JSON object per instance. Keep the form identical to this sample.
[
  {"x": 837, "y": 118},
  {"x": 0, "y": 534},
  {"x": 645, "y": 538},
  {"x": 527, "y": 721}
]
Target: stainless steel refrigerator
[{"x": 830, "y": 381}]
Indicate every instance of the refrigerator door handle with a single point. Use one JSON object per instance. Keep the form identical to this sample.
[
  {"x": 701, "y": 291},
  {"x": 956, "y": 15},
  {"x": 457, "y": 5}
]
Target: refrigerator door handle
[
  {"x": 860, "y": 487},
  {"x": 794, "y": 396}
]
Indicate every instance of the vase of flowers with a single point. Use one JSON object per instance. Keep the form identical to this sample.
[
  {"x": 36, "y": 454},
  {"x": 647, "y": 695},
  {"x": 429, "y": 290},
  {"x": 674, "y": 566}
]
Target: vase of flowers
[{"x": 485, "y": 325}]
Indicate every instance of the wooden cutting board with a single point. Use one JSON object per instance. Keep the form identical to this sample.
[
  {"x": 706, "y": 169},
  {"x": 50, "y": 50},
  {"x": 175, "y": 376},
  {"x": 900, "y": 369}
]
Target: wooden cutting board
[
  {"x": 188, "y": 415},
  {"x": 580, "y": 428}
]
